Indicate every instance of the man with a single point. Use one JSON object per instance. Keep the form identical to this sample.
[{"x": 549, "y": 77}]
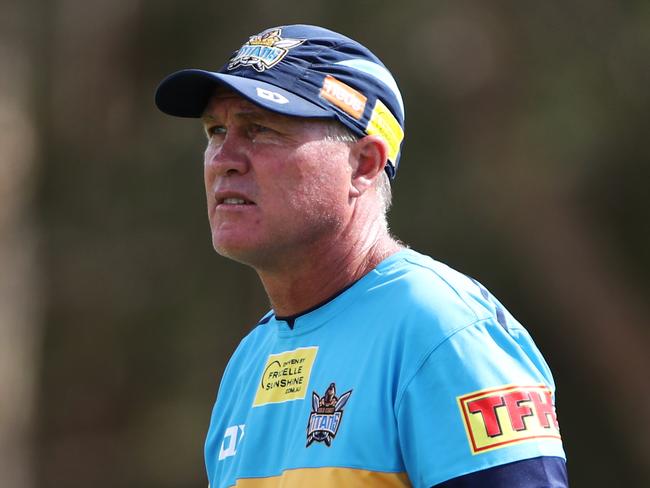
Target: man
[{"x": 377, "y": 366}]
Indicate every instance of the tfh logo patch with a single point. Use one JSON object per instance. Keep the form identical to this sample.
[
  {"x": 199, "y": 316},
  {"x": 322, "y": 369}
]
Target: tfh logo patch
[
  {"x": 509, "y": 414},
  {"x": 326, "y": 415}
]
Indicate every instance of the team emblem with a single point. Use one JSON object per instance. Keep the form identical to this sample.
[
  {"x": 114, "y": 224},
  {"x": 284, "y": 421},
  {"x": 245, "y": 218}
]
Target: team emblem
[
  {"x": 264, "y": 50},
  {"x": 326, "y": 415}
]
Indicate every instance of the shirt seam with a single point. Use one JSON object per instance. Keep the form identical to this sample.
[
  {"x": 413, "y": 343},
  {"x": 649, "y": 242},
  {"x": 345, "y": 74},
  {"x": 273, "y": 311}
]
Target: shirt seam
[
  {"x": 400, "y": 395},
  {"x": 442, "y": 278}
]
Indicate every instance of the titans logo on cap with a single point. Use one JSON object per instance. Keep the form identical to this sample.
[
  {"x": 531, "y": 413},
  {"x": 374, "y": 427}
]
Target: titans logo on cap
[{"x": 264, "y": 50}]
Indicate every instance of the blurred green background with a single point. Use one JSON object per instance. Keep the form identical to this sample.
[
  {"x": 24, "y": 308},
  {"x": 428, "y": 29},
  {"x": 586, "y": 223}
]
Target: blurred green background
[{"x": 525, "y": 165}]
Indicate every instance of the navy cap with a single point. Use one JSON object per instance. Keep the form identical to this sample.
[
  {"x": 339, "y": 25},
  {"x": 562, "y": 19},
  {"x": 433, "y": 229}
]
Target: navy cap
[{"x": 300, "y": 71}]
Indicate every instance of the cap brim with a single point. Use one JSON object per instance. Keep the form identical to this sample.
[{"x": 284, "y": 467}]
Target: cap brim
[{"x": 186, "y": 94}]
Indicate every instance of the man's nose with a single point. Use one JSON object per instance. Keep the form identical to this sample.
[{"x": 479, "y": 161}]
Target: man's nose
[{"x": 229, "y": 158}]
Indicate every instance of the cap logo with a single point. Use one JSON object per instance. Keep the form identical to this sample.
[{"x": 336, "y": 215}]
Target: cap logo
[
  {"x": 264, "y": 50},
  {"x": 343, "y": 96},
  {"x": 269, "y": 95}
]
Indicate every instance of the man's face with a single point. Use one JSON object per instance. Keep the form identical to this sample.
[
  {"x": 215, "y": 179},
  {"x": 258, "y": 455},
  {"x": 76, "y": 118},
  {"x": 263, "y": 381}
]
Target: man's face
[{"x": 276, "y": 187}]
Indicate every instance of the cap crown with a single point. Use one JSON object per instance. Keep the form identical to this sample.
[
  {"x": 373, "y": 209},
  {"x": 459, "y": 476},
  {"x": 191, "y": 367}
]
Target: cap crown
[{"x": 303, "y": 71}]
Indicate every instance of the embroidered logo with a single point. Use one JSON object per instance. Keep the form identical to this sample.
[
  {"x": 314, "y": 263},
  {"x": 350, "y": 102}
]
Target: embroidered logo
[
  {"x": 264, "y": 50},
  {"x": 326, "y": 415}
]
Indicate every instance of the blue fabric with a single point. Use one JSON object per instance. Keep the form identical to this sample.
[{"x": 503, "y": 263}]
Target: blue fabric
[
  {"x": 541, "y": 472},
  {"x": 428, "y": 363}
]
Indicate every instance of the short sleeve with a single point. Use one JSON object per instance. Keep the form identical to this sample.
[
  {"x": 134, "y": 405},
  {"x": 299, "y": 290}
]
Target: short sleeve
[
  {"x": 544, "y": 471},
  {"x": 483, "y": 397}
]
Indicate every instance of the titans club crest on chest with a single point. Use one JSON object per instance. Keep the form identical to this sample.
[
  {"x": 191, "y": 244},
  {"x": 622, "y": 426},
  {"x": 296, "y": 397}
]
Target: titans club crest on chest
[{"x": 326, "y": 415}]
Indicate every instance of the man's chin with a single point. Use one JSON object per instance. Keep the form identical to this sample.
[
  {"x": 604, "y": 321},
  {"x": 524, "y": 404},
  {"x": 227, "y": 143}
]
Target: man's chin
[{"x": 244, "y": 252}]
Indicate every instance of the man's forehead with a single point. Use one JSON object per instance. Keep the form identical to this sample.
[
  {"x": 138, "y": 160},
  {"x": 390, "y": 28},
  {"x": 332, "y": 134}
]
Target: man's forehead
[
  {"x": 225, "y": 99},
  {"x": 225, "y": 92},
  {"x": 223, "y": 96}
]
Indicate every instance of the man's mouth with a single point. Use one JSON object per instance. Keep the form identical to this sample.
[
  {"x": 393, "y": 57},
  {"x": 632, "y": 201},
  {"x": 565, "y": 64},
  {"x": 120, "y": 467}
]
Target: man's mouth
[{"x": 234, "y": 201}]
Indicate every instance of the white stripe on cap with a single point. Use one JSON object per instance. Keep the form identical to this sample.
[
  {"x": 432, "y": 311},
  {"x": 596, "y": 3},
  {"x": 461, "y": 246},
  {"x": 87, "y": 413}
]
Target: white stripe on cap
[{"x": 379, "y": 72}]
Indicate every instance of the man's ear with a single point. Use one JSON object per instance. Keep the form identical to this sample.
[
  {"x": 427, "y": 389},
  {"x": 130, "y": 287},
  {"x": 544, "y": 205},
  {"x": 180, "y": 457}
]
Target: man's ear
[{"x": 370, "y": 155}]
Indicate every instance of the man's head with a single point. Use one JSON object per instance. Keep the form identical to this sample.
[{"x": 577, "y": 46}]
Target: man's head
[
  {"x": 278, "y": 186},
  {"x": 296, "y": 150}
]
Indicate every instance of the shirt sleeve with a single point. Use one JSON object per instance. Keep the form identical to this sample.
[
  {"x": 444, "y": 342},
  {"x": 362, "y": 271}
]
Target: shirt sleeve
[
  {"x": 541, "y": 472},
  {"x": 482, "y": 398}
]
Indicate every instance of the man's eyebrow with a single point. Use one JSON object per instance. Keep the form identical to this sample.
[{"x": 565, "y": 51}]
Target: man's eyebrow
[
  {"x": 253, "y": 114},
  {"x": 248, "y": 114}
]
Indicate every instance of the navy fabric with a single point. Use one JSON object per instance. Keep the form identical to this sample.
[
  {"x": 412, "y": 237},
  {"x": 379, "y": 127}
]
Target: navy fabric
[
  {"x": 186, "y": 94},
  {"x": 283, "y": 69},
  {"x": 541, "y": 472}
]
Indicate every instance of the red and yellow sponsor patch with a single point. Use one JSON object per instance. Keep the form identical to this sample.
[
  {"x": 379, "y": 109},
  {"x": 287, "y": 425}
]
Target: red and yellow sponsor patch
[
  {"x": 506, "y": 415},
  {"x": 343, "y": 96}
]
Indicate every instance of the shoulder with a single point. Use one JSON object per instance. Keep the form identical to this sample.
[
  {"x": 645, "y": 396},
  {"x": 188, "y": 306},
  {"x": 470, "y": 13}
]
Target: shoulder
[
  {"x": 431, "y": 310},
  {"x": 429, "y": 284},
  {"x": 428, "y": 297}
]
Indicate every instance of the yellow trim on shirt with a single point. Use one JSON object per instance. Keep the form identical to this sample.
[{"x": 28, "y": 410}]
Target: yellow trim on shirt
[{"x": 327, "y": 478}]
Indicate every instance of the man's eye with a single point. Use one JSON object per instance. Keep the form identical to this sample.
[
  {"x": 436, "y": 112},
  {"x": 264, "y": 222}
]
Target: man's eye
[
  {"x": 216, "y": 130},
  {"x": 258, "y": 129}
]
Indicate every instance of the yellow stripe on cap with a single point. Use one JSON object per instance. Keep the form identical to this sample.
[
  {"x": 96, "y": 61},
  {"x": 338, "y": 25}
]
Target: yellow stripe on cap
[{"x": 384, "y": 124}]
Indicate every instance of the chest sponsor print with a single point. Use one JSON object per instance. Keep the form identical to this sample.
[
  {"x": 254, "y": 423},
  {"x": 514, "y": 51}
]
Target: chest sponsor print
[
  {"x": 326, "y": 415},
  {"x": 285, "y": 376}
]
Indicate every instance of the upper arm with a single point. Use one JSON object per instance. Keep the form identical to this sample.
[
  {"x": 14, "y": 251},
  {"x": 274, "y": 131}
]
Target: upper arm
[{"x": 483, "y": 398}]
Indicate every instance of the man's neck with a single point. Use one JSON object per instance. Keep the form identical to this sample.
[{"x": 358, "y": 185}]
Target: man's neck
[{"x": 323, "y": 271}]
